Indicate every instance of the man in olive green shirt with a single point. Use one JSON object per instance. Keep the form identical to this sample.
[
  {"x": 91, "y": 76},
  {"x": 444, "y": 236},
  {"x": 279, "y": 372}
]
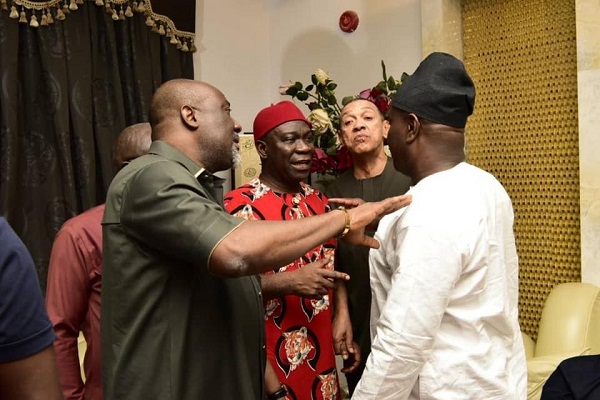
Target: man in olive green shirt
[{"x": 181, "y": 311}]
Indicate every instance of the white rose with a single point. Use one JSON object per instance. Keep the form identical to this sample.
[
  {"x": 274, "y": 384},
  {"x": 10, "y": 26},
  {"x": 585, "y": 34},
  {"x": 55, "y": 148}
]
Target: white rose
[
  {"x": 320, "y": 120},
  {"x": 321, "y": 76}
]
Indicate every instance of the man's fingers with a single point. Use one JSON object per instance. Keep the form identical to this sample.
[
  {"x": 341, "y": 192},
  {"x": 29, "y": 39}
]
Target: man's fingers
[
  {"x": 319, "y": 263},
  {"x": 350, "y": 343},
  {"x": 342, "y": 350},
  {"x": 395, "y": 203},
  {"x": 333, "y": 275},
  {"x": 346, "y": 202}
]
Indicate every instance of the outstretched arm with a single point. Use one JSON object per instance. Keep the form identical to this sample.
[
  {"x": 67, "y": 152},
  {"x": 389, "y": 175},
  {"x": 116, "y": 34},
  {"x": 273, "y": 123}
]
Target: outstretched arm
[{"x": 281, "y": 242}]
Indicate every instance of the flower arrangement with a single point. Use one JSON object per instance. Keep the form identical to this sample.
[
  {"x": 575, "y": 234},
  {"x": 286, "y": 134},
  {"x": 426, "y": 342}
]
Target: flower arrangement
[{"x": 331, "y": 157}]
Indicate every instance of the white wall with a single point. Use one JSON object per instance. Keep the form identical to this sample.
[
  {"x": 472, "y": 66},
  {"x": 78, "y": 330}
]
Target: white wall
[{"x": 247, "y": 48}]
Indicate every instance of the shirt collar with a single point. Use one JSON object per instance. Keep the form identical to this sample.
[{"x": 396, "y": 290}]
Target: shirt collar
[{"x": 202, "y": 175}]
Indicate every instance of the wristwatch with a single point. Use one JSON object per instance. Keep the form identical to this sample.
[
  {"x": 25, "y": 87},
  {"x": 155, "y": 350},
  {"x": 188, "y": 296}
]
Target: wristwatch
[{"x": 279, "y": 394}]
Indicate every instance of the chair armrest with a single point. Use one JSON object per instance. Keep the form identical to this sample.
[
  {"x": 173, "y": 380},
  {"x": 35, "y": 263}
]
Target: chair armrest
[{"x": 540, "y": 368}]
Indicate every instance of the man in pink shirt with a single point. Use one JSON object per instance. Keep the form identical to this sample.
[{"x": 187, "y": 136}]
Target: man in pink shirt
[{"x": 75, "y": 281}]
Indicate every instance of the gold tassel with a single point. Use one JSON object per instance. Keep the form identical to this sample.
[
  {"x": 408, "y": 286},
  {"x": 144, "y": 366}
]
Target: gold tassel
[
  {"x": 44, "y": 20},
  {"x": 23, "y": 18},
  {"x": 34, "y": 22},
  {"x": 128, "y": 12},
  {"x": 169, "y": 32},
  {"x": 107, "y": 8},
  {"x": 173, "y": 40},
  {"x": 185, "y": 47},
  {"x": 121, "y": 15},
  {"x": 65, "y": 9},
  {"x": 60, "y": 15},
  {"x": 161, "y": 30},
  {"x": 73, "y": 6},
  {"x": 135, "y": 6},
  {"x": 99, "y": 3},
  {"x": 179, "y": 45},
  {"x": 4, "y": 5},
  {"x": 141, "y": 7},
  {"x": 80, "y": 2},
  {"x": 49, "y": 17},
  {"x": 115, "y": 16},
  {"x": 155, "y": 28},
  {"x": 149, "y": 21},
  {"x": 14, "y": 14},
  {"x": 193, "y": 48}
]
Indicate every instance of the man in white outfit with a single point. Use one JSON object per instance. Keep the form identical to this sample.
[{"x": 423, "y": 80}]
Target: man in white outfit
[{"x": 444, "y": 315}]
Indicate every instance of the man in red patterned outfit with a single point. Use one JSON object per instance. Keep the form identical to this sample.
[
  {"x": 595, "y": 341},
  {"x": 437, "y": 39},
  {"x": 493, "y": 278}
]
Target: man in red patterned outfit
[{"x": 299, "y": 303}]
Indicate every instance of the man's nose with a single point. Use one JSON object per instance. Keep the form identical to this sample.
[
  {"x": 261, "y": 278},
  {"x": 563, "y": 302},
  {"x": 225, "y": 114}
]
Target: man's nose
[
  {"x": 304, "y": 146},
  {"x": 237, "y": 128}
]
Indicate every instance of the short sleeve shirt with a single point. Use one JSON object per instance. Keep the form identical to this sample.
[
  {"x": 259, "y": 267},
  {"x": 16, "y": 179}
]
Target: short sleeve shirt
[
  {"x": 25, "y": 328},
  {"x": 298, "y": 329},
  {"x": 169, "y": 328}
]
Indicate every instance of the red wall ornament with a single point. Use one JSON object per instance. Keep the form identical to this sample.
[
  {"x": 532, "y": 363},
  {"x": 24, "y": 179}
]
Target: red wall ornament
[{"x": 349, "y": 21}]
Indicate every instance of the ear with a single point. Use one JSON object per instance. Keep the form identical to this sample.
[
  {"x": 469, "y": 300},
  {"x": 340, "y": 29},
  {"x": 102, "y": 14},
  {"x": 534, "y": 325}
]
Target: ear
[
  {"x": 413, "y": 127},
  {"x": 386, "y": 128},
  {"x": 261, "y": 148},
  {"x": 188, "y": 117}
]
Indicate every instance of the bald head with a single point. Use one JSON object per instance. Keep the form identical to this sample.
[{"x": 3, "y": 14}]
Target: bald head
[
  {"x": 195, "y": 118},
  {"x": 360, "y": 102},
  {"x": 133, "y": 141},
  {"x": 165, "y": 109}
]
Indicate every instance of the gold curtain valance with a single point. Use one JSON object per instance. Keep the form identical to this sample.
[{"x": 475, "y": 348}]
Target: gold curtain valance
[{"x": 43, "y": 13}]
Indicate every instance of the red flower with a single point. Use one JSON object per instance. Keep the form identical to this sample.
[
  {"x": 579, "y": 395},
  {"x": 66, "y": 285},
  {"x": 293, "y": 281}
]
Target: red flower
[
  {"x": 344, "y": 159},
  {"x": 377, "y": 97},
  {"x": 324, "y": 163},
  {"x": 365, "y": 94},
  {"x": 321, "y": 161},
  {"x": 383, "y": 103}
]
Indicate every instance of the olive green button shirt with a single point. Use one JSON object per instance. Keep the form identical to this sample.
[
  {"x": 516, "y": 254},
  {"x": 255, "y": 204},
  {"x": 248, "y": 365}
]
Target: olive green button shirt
[{"x": 169, "y": 328}]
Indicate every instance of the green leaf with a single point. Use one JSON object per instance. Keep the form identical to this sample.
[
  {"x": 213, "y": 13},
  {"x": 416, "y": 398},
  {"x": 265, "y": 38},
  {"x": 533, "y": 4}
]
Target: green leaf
[
  {"x": 383, "y": 69},
  {"x": 331, "y": 85},
  {"x": 347, "y": 100},
  {"x": 314, "y": 80},
  {"x": 331, "y": 150},
  {"x": 331, "y": 100},
  {"x": 309, "y": 88},
  {"x": 292, "y": 91},
  {"x": 391, "y": 83},
  {"x": 302, "y": 95},
  {"x": 298, "y": 85}
]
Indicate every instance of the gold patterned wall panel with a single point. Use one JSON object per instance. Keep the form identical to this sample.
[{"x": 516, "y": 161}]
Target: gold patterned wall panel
[
  {"x": 250, "y": 164},
  {"x": 522, "y": 57}
]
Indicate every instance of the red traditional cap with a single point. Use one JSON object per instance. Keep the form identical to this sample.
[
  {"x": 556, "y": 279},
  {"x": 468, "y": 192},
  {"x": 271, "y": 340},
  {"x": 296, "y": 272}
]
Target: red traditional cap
[{"x": 276, "y": 114}]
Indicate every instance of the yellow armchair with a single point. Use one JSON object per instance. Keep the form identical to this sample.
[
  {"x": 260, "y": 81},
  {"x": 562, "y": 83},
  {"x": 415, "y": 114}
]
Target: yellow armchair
[{"x": 569, "y": 327}]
